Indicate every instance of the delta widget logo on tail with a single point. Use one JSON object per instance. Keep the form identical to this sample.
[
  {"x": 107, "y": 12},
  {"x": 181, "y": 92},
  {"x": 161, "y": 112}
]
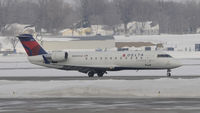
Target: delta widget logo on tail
[{"x": 31, "y": 46}]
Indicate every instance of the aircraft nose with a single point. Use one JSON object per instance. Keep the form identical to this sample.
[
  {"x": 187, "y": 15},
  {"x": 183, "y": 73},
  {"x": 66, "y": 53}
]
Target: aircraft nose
[{"x": 177, "y": 64}]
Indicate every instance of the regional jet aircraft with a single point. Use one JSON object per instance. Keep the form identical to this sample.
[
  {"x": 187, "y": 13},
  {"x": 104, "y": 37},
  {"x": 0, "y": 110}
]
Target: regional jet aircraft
[{"x": 99, "y": 63}]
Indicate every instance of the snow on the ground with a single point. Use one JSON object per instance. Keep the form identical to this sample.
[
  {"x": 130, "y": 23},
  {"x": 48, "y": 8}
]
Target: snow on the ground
[
  {"x": 14, "y": 58},
  {"x": 170, "y": 88}
]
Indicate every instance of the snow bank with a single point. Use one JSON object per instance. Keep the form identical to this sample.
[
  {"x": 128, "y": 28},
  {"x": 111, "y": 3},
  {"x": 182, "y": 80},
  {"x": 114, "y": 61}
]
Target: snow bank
[
  {"x": 14, "y": 58},
  {"x": 170, "y": 88}
]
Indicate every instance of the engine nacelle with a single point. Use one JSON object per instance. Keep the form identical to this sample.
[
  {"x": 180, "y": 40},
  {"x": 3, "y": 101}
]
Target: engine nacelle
[{"x": 59, "y": 56}]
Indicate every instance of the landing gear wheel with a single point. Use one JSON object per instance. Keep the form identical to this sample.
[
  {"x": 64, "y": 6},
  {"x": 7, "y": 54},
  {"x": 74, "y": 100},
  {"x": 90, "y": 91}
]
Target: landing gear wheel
[
  {"x": 100, "y": 74},
  {"x": 169, "y": 73},
  {"x": 91, "y": 74}
]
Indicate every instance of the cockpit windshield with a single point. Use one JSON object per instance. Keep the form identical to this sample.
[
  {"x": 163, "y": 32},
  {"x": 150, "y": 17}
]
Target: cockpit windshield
[{"x": 164, "y": 56}]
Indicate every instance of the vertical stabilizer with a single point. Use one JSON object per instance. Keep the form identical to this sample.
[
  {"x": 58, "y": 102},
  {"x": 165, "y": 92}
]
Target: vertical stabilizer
[{"x": 31, "y": 46}]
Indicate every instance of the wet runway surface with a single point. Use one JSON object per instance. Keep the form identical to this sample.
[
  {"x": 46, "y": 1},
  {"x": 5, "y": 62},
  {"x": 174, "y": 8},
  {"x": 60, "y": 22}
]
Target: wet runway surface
[
  {"x": 100, "y": 105},
  {"x": 95, "y": 78}
]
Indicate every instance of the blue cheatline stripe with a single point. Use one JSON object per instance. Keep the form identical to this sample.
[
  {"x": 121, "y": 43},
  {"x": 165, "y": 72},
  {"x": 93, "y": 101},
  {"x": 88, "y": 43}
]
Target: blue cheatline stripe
[
  {"x": 26, "y": 38},
  {"x": 30, "y": 51},
  {"x": 42, "y": 51}
]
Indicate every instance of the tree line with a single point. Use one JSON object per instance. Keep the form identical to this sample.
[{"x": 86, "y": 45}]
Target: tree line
[{"x": 55, "y": 15}]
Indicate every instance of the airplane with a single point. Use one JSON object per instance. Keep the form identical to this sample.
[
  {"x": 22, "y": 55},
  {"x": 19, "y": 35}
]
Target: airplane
[{"x": 95, "y": 62}]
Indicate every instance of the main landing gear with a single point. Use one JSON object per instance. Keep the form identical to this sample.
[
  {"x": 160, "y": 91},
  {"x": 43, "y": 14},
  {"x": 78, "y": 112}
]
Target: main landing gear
[
  {"x": 92, "y": 73},
  {"x": 100, "y": 74},
  {"x": 169, "y": 73}
]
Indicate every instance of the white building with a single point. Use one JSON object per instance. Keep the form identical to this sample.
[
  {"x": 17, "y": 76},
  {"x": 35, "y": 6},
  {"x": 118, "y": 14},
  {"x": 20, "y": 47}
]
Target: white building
[{"x": 90, "y": 42}]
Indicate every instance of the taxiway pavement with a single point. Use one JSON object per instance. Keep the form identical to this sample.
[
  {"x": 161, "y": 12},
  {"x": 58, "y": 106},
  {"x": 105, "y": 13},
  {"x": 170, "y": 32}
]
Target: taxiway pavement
[
  {"x": 67, "y": 78},
  {"x": 100, "y": 105}
]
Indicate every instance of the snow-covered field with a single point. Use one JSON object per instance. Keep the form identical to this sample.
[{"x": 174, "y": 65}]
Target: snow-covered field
[{"x": 102, "y": 88}]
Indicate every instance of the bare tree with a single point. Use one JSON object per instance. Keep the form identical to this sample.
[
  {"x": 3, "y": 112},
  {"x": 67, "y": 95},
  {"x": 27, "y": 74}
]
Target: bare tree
[
  {"x": 13, "y": 41},
  {"x": 111, "y": 16},
  {"x": 11, "y": 37},
  {"x": 192, "y": 16},
  {"x": 126, "y": 11},
  {"x": 54, "y": 15},
  {"x": 42, "y": 15},
  {"x": 1, "y": 46},
  {"x": 4, "y": 11},
  {"x": 85, "y": 13},
  {"x": 98, "y": 8}
]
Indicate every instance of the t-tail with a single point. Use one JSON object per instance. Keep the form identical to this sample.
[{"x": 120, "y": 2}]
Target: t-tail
[{"x": 30, "y": 45}]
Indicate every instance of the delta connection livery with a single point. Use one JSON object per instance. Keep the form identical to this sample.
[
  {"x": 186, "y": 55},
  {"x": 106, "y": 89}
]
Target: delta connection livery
[{"x": 99, "y": 63}]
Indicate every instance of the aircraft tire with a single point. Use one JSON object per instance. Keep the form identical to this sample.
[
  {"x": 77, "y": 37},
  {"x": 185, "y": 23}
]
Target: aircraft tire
[
  {"x": 91, "y": 74},
  {"x": 100, "y": 74},
  {"x": 169, "y": 74}
]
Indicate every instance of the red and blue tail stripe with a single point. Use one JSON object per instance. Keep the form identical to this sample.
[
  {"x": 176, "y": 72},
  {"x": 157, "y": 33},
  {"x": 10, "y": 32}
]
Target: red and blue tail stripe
[{"x": 31, "y": 46}]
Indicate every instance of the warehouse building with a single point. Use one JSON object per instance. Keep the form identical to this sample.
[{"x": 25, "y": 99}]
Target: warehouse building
[{"x": 91, "y": 42}]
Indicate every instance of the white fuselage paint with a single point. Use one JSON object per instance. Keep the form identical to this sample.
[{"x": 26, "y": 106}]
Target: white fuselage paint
[{"x": 125, "y": 60}]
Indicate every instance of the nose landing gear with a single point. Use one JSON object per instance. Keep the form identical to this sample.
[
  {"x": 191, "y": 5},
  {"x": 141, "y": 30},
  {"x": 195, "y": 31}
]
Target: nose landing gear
[{"x": 169, "y": 73}]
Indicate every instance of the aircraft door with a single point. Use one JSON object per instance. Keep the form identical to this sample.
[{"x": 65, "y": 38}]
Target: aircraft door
[{"x": 148, "y": 61}]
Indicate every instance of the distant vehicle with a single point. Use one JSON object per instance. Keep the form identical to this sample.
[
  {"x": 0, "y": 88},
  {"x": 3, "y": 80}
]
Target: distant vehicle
[{"x": 99, "y": 63}]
